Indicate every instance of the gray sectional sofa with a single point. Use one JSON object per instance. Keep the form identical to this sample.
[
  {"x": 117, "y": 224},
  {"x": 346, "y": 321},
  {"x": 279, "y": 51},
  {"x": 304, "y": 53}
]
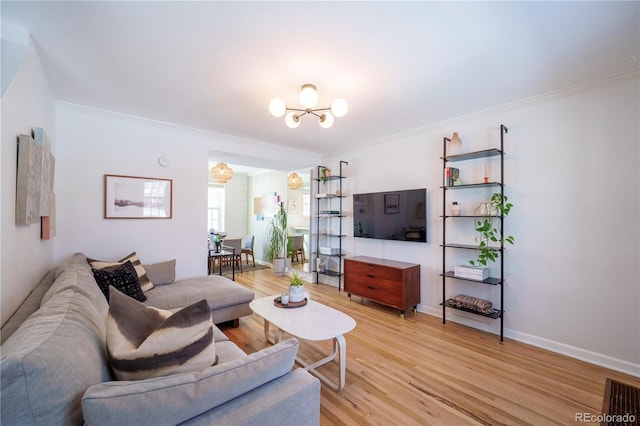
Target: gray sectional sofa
[{"x": 55, "y": 371}]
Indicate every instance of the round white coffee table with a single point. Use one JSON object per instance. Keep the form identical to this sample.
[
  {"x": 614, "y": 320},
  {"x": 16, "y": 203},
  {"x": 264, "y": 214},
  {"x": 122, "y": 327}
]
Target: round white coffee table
[{"x": 314, "y": 322}]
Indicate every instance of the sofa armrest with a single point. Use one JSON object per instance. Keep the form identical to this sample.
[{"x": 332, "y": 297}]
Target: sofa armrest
[{"x": 176, "y": 398}]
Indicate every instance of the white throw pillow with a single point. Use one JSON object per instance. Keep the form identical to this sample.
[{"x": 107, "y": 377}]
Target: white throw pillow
[{"x": 144, "y": 342}]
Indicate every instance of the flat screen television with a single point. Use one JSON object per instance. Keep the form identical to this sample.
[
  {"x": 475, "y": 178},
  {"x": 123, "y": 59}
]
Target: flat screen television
[{"x": 392, "y": 215}]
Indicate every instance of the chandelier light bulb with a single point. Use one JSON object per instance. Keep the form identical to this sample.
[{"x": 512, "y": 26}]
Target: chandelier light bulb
[
  {"x": 308, "y": 96},
  {"x": 277, "y": 107},
  {"x": 326, "y": 120},
  {"x": 292, "y": 120},
  {"x": 339, "y": 107}
]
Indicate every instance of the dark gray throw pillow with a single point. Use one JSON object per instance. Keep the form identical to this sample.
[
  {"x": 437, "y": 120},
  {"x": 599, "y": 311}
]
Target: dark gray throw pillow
[{"x": 123, "y": 278}]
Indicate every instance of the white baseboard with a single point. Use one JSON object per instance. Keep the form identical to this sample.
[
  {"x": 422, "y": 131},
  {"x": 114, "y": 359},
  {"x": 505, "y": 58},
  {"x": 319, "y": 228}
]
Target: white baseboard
[{"x": 540, "y": 342}]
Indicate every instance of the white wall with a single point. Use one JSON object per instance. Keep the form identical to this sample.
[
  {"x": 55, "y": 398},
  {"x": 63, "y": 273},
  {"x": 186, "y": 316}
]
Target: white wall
[
  {"x": 26, "y": 103},
  {"x": 275, "y": 181},
  {"x": 571, "y": 170},
  {"x": 236, "y": 205},
  {"x": 94, "y": 143}
]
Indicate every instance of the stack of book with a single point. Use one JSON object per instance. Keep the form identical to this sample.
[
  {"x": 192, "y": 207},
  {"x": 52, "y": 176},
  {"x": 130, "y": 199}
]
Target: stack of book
[
  {"x": 329, "y": 211},
  {"x": 452, "y": 176},
  {"x": 479, "y": 273}
]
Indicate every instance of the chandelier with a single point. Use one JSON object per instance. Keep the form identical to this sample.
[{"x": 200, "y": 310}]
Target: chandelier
[
  {"x": 294, "y": 181},
  {"x": 221, "y": 173},
  {"x": 308, "y": 99}
]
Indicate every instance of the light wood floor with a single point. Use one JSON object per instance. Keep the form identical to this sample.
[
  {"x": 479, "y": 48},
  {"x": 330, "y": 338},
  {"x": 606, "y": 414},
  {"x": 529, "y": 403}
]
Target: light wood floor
[{"x": 419, "y": 371}]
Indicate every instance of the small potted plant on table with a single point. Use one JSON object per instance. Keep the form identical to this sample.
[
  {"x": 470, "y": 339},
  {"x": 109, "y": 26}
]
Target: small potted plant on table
[{"x": 296, "y": 288}]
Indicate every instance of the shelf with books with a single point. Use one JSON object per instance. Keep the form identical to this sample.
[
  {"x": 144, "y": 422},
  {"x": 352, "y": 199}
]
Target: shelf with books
[{"x": 489, "y": 280}]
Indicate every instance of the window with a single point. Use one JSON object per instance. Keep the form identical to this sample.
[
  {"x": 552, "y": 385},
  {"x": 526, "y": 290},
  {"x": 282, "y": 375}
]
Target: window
[
  {"x": 216, "y": 207},
  {"x": 306, "y": 204}
]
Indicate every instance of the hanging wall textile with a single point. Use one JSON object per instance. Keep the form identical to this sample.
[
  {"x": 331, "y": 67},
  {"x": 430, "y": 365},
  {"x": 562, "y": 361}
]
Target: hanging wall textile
[{"x": 34, "y": 181}]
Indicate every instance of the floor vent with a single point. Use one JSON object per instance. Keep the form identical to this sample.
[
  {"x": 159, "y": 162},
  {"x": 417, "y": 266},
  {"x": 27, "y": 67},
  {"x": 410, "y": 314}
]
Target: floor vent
[{"x": 621, "y": 404}]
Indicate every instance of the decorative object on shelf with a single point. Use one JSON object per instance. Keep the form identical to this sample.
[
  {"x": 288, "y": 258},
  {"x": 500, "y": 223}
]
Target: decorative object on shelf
[
  {"x": 284, "y": 299},
  {"x": 296, "y": 288},
  {"x": 294, "y": 181},
  {"x": 277, "y": 240},
  {"x": 221, "y": 173},
  {"x": 455, "y": 145},
  {"x": 486, "y": 175},
  {"x": 325, "y": 173},
  {"x": 472, "y": 303},
  {"x": 456, "y": 209},
  {"x": 498, "y": 206},
  {"x": 309, "y": 99}
]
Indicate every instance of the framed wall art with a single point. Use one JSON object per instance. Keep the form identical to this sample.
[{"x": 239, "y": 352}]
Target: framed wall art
[{"x": 131, "y": 197}]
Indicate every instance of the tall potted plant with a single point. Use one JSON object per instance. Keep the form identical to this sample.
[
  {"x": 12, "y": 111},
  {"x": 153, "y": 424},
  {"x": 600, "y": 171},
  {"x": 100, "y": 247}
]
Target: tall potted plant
[
  {"x": 490, "y": 210},
  {"x": 277, "y": 241}
]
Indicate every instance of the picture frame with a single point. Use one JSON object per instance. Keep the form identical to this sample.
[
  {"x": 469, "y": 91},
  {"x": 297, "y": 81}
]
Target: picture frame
[
  {"x": 292, "y": 207},
  {"x": 391, "y": 203},
  {"x": 133, "y": 197}
]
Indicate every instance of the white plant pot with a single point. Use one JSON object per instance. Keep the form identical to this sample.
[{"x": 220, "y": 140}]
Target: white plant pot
[
  {"x": 296, "y": 293},
  {"x": 278, "y": 266}
]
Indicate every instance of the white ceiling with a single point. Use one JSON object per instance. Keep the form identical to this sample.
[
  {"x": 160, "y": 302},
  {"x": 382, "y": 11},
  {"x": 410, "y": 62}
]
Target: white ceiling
[{"x": 400, "y": 65}]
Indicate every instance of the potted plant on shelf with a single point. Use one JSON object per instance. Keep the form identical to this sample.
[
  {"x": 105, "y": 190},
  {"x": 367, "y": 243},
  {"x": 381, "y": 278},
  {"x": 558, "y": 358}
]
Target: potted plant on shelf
[
  {"x": 296, "y": 288},
  {"x": 325, "y": 172},
  {"x": 277, "y": 241},
  {"x": 488, "y": 234}
]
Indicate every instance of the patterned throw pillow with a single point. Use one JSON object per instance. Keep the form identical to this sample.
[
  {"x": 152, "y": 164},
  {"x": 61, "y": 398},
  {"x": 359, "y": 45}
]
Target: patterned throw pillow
[
  {"x": 144, "y": 342},
  {"x": 123, "y": 278},
  {"x": 145, "y": 282}
]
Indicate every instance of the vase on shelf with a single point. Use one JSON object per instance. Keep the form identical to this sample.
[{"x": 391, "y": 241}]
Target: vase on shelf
[{"x": 455, "y": 145}]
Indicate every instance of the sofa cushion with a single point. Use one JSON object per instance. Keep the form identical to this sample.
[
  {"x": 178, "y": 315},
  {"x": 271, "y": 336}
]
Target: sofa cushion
[
  {"x": 161, "y": 273},
  {"x": 219, "y": 291},
  {"x": 123, "y": 278},
  {"x": 145, "y": 282},
  {"x": 51, "y": 360},
  {"x": 184, "y": 396},
  {"x": 145, "y": 342}
]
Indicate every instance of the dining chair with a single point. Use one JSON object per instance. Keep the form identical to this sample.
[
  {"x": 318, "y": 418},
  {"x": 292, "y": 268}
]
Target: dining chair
[
  {"x": 228, "y": 245},
  {"x": 247, "y": 248},
  {"x": 298, "y": 248}
]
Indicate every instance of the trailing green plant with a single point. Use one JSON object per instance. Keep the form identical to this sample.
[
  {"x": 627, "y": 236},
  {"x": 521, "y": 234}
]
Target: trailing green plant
[
  {"x": 489, "y": 235},
  {"x": 296, "y": 280},
  {"x": 277, "y": 235},
  {"x": 325, "y": 172}
]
